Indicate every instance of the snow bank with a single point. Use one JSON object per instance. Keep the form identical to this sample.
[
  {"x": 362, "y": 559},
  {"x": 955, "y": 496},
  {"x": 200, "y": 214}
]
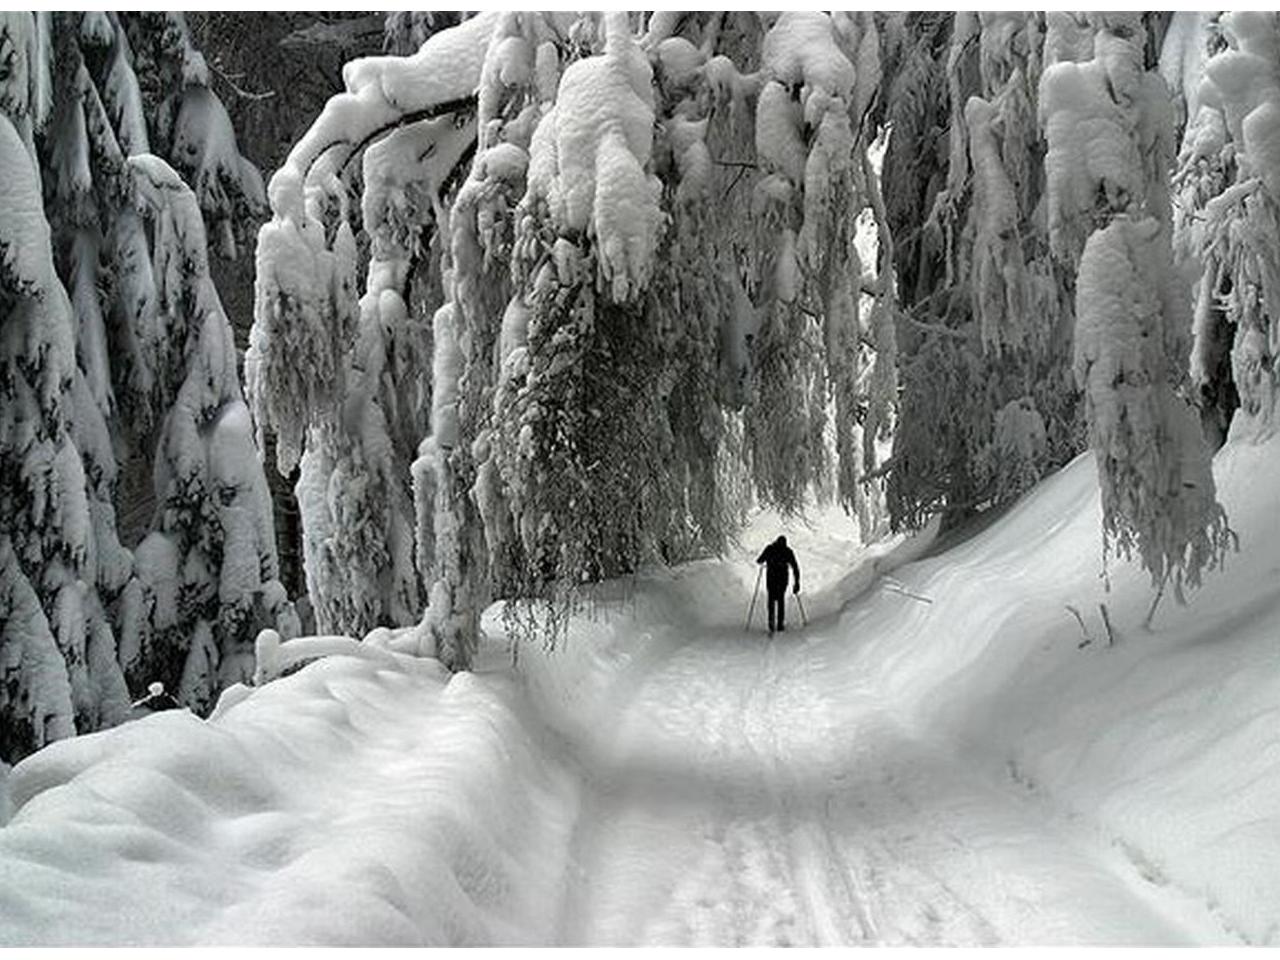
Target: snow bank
[
  {"x": 354, "y": 802},
  {"x": 1165, "y": 742}
]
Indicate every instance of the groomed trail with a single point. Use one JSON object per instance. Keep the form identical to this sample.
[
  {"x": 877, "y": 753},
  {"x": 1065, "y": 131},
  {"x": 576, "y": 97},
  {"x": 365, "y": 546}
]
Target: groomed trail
[
  {"x": 744, "y": 790},
  {"x": 734, "y": 813}
]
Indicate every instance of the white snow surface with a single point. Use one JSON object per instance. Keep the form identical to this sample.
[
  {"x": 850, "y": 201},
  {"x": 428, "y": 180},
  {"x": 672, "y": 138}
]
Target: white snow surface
[{"x": 933, "y": 759}]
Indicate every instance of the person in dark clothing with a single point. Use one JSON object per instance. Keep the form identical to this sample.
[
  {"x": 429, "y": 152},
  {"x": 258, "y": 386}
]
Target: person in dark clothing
[{"x": 778, "y": 559}]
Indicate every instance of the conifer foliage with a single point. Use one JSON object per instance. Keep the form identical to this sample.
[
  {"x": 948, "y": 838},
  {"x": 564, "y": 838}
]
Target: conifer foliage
[
  {"x": 613, "y": 336},
  {"x": 115, "y": 348},
  {"x": 631, "y": 247}
]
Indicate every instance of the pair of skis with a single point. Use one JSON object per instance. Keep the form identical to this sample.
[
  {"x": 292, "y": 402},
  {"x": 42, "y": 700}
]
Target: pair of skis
[{"x": 804, "y": 619}]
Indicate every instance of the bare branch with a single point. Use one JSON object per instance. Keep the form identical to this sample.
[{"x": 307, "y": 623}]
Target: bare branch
[
  {"x": 938, "y": 328},
  {"x": 235, "y": 87},
  {"x": 1106, "y": 622},
  {"x": 1088, "y": 638},
  {"x": 1155, "y": 602}
]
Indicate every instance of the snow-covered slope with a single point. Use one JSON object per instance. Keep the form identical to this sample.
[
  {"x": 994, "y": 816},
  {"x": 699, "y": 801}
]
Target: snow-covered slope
[{"x": 933, "y": 759}]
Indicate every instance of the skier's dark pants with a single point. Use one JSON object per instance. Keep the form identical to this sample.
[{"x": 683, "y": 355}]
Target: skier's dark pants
[{"x": 778, "y": 601}]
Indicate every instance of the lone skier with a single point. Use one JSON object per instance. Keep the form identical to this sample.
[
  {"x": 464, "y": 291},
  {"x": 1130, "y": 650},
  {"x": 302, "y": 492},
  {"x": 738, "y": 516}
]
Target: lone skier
[{"x": 777, "y": 558}]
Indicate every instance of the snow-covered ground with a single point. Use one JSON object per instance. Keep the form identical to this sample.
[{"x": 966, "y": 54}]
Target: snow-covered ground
[{"x": 934, "y": 759}]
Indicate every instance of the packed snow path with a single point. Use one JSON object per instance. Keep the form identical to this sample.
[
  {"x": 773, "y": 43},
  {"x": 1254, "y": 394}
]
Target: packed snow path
[
  {"x": 736, "y": 805},
  {"x": 958, "y": 771}
]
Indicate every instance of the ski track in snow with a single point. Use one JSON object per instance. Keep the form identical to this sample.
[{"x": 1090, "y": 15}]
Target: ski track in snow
[
  {"x": 731, "y": 816},
  {"x": 738, "y": 790}
]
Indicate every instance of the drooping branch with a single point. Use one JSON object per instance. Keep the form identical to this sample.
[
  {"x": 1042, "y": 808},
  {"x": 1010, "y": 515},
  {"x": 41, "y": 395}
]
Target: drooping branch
[{"x": 462, "y": 105}]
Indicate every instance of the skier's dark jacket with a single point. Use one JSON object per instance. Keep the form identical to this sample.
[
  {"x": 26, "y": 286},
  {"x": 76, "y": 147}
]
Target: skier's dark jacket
[{"x": 777, "y": 557}]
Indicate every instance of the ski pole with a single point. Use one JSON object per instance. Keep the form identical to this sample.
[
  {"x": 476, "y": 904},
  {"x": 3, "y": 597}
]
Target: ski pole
[
  {"x": 751, "y": 609},
  {"x": 804, "y": 619}
]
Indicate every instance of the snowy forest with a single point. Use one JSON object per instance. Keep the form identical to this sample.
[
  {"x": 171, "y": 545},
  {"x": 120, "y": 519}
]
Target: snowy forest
[{"x": 427, "y": 343}]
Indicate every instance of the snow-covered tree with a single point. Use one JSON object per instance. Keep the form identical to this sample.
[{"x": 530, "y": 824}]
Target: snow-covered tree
[
  {"x": 984, "y": 337},
  {"x": 1225, "y": 73},
  {"x": 58, "y": 668},
  {"x": 107, "y": 330},
  {"x": 652, "y": 237},
  {"x": 345, "y": 376},
  {"x": 206, "y": 576},
  {"x": 1108, "y": 122},
  {"x": 630, "y": 247},
  {"x": 1021, "y": 274}
]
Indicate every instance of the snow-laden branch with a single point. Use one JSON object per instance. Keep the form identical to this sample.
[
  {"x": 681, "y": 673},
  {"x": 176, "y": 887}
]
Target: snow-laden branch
[{"x": 385, "y": 92}]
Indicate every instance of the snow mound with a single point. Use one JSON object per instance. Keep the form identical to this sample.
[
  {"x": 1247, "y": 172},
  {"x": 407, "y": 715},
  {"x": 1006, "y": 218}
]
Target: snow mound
[{"x": 354, "y": 802}]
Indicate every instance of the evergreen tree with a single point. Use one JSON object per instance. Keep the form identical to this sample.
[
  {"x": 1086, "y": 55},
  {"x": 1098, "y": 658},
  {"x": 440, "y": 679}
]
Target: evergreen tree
[
  {"x": 57, "y": 557},
  {"x": 984, "y": 337},
  {"x": 1227, "y": 210},
  {"x": 105, "y": 340},
  {"x": 1108, "y": 122},
  {"x": 206, "y": 576},
  {"x": 607, "y": 315}
]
